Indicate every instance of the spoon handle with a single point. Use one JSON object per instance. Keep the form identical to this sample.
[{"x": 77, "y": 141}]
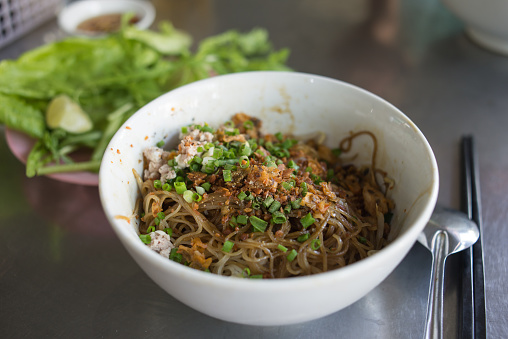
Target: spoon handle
[{"x": 434, "y": 322}]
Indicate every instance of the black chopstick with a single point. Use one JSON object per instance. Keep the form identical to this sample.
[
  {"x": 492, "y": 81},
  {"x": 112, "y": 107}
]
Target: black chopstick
[{"x": 473, "y": 320}]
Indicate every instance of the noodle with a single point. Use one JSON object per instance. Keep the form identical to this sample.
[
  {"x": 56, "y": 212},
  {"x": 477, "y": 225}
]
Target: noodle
[{"x": 234, "y": 202}]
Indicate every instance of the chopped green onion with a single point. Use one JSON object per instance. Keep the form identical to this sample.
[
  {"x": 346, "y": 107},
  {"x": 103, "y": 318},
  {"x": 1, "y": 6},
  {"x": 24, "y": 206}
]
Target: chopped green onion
[
  {"x": 256, "y": 205},
  {"x": 270, "y": 163},
  {"x": 166, "y": 187},
  {"x": 184, "y": 130},
  {"x": 242, "y": 195},
  {"x": 316, "y": 178},
  {"x": 329, "y": 174},
  {"x": 180, "y": 187},
  {"x": 209, "y": 168},
  {"x": 169, "y": 231},
  {"x": 161, "y": 215},
  {"x": 187, "y": 196},
  {"x": 180, "y": 179},
  {"x": 336, "y": 151},
  {"x": 227, "y": 175},
  {"x": 229, "y": 124},
  {"x": 292, "y": 255},
  {"x": 282, "y": 248},
  {"x": 308, "y": 169},
  {"x": 303, "y": 185},
  {"x": 194, "y": 167},
  {"x": 208, "y": 146},
  {"x": 160, "y": 143},
  {"x": 245, "y": 149},
  {"x": 150, "y": 229},
  {"x": 287, "y": 208},
  {"x": 206, "y": 186},
  {"x": 200, "y": 149},
  {"x": 303, "y": 237},
  {"x": 197, "y": 159},
  {"x": 258, "y": 224},
  {"x": 230, "y": 167},
  {"x": 200, "y": 190},
  {"x": 217, "y": 153},
  {"x": 278, "y": 217},
  {"x": 293, "y": 165},
  {"x": 246, "y": 272},
  {"x": 177, "y": 257},
  {"x": 233, "y": 222},
  {"x": 157, "y": 221},
  {"x": 145, "y": 238},
  {"x": 248, "y": 124},
  {"x": 279, "y": 136},
  {"x": 362, "y": 240},
  {"x": 244, "y": 161},
  {"x": 196, "y": 197},
  {"x": 315, "y": 244},
  {"x": 307, "y": 220},
  {"x": 287, "y": 186},
  {"x": 249, "y": 196},
  {"x": 228, "y": 246},
  {"x": 295, "y": 204},
  {"x": 172, "y": 163},
  {"x": 268, "y": 201},
  {"x": 257, "y": 276},
  {"x": 157, "y": 184},
  {"x": 242, "y": 219},
  {"x": 274, "y": 206}
]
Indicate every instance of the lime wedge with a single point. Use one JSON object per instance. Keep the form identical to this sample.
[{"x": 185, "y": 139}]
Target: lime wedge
[{"x": 66, "y": 114}]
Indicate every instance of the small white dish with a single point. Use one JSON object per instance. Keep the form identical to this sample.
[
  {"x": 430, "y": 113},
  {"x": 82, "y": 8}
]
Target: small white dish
[{"x": 76, "y": 12}]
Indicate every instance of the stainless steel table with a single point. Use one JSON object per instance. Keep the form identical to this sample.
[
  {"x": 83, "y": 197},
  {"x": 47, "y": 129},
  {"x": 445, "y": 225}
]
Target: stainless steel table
[{"x": 63, "y": 273}]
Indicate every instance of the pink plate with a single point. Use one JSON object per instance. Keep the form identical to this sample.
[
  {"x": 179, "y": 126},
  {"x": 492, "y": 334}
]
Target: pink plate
[{"x": 20, "y": 145}]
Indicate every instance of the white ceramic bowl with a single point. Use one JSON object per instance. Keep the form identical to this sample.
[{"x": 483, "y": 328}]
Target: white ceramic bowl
[
  {"x": 288, "y": 102},
  {"x": 76, "y": 12},
  {"x": 486, "y": 21}
]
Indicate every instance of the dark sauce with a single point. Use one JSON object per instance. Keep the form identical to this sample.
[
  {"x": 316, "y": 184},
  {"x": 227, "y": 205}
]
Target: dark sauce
[{"x": 105, "y": 23}]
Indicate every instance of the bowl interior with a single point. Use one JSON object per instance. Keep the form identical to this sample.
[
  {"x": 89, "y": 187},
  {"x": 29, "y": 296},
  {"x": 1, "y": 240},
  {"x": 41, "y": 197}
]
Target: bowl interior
[{"x": 291, "y": 103}]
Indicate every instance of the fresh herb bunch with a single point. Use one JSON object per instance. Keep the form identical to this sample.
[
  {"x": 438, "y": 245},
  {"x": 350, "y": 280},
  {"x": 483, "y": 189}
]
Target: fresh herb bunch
[{"x": 110, "y": 78}]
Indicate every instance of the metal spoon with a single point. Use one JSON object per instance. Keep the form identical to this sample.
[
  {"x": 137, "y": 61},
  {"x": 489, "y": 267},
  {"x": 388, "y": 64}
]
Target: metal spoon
[{"x": 447, "y": 232}]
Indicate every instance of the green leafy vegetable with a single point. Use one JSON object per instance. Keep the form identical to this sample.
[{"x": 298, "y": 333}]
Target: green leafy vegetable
[{"x": 110, "y": 78}]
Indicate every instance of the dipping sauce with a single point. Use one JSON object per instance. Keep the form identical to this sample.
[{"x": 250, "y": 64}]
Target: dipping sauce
[{"x": 105, "y": 23}]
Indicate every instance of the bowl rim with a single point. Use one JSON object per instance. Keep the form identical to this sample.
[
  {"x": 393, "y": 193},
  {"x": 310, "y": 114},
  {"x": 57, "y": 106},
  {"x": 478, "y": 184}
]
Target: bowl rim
[
  {"x": 74, "y": 13},
  {"x": 324, "y": 278}
]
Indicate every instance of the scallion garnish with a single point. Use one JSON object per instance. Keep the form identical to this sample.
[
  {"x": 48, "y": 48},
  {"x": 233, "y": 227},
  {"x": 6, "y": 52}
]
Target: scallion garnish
[
  {"x": 287, "y": 208},
  {"x": 307, "y": 220},
  {"x": 206, "y": 186},
  {"x": 315, "y": 244},
  {"x": 160, "y": 143},
  {"x": 228, "y": 246},
  {"x": 248, "y": 124},
  {"x": 196, "y": 197},
  {"x": 258, "y": 224},
  {"x": 278, "y": 217},
  {"x": 187, "y": 195},
  {"x": 244, "y": 161},
  {"x": 177, "y": 257},
  {"x": 157, "y": 183},
  {"x": 279, "y": 136},
  {"x": 293, "y": 165},
  {"x": 200, "y": 190},
  {"x": 227, "y": 175},
  {"x": 282, "y": 248},
  {"x": 292, "y": 255},
  {"x": 303, "y": 185},
  {"x": 169, "y": 231},
  {"x": 145, "y": 238},
  {"x": 303, "y": 237},
  {"x": 184, "y": 130},
  {"x": 180, "y": 187},
  {"x": 241, "y": 195},
  {"x": 166, "y": 186},
  {"x": 161, "y": 215},
  {"x": 150, "y": 229},
  {"x": 274, "y": 206},
  {"x": 242, "y": 219},
  {"x": 295, "y": 204},
  {"x": 362, "y": 240},
  {"x": 268, "y": 201}
]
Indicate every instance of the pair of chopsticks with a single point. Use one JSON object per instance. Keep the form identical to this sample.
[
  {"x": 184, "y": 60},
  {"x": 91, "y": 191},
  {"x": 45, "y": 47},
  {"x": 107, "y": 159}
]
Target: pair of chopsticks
[{"x": 473, "y": 319}]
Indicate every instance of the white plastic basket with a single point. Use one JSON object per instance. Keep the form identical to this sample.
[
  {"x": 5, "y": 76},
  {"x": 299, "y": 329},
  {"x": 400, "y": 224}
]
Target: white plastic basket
[{"x": 18, "y": 17}]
